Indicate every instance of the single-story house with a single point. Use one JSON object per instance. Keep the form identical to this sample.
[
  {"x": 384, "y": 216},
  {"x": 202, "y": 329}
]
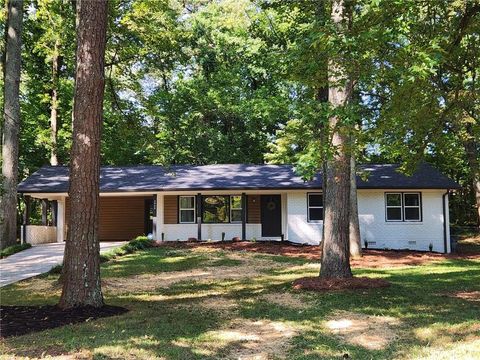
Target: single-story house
[{"x": 250, "y": 202}]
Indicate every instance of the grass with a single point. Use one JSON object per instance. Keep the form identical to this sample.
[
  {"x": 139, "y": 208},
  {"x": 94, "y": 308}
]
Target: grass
[
  {"x": 10, "y": 250},
  {"x": 210, "y": 304}
]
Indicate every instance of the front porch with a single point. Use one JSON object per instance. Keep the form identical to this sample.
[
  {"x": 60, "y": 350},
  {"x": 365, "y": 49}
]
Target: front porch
[{"x": 167, "y": 216}]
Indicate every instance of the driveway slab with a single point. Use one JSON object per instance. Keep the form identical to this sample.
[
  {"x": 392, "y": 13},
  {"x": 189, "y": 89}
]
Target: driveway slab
[{"x": 38, "y": 260}]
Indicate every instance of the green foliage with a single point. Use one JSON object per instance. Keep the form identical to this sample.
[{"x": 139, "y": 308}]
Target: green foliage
[
  {"x": 137, "y": 244},
  {"x": 10, "y": 250},
  {"x": 245, "y": 81}
]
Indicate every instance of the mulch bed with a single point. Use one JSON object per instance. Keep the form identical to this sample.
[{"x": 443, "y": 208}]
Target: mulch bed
[
  {"x": 20, "y": 320},
  {"x": 370, "y": 258},
  {"x": 323, "y": 285}
]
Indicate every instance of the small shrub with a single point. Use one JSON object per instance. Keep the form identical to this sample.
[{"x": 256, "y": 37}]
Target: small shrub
[
  {"x": 13, "y": 249},
  {"x": 139, "y": 243}
]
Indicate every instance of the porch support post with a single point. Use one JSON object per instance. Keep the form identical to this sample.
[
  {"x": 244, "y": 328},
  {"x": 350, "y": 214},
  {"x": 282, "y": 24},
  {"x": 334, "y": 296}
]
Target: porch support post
[
  {"x": 154, "y": 220},
  {"x": 61, "y": 220},
  {"x": 199, "y": 216},
  {"x": 160, "y": 229},
  {"x": 54, "y": 208},
  {"x": 44, "y": 212},
  {"x": 26, "y": 218},
  {"x": 244, "y": 216}
]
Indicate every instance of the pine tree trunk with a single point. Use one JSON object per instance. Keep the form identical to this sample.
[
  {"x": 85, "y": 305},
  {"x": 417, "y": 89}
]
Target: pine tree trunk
[
  {"x": 11, "y": 124},
  {"x": 54, "y": 107},
  {"x": 336, "y": 253},
  {"x": 81, "y": 270},
  {"x": 355, "y": 240}
]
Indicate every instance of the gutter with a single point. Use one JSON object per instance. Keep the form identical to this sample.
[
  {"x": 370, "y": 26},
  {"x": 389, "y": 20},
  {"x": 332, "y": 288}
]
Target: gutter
[{"x": 445, "y": 221}]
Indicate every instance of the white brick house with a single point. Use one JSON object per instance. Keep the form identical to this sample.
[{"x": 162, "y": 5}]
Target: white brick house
[{"x": 262, "y": 202}]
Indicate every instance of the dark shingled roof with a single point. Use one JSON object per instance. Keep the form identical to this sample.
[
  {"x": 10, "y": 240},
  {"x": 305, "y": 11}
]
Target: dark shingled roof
[{"x": 54, "y": 179}]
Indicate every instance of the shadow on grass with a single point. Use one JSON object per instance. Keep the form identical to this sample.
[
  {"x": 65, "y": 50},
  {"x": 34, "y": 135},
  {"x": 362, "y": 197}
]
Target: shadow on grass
[{"x": 172, "y": 323}]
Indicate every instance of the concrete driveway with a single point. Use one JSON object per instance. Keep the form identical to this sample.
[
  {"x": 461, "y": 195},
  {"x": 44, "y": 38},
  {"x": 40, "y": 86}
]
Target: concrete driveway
[{"x": 38, "y": 260}]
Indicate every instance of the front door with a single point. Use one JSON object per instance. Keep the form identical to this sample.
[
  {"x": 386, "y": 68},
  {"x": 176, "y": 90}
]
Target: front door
[{"x": 271, "y": 217}]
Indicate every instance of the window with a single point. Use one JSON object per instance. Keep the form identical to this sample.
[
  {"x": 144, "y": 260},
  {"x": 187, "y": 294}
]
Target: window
[
  {"x": 215, "y": 209},
  {"x": 411, "y": 203},
  {"x": 186, "y": 209},
  {"x": 236, "y": 208},
  {"x": 403, "y": 207},
  {"x": 394, "y": 207},
  {"x": 315, "y": 207}
]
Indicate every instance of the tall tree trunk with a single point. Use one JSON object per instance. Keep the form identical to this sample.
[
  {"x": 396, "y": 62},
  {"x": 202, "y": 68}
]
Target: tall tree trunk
[
  {"x": 54, "y": 106},
  {"x": 354, "y": 227},
  {"x": 471, "y": 149},
  {"x": 81, "y": 270},
  {"x": 11, "y": 124},
  {"x": 336, "y": 253}
]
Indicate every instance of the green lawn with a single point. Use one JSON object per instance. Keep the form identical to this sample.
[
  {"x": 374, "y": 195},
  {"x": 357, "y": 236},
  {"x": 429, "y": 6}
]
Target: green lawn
[{"x": 209, "y": 304}]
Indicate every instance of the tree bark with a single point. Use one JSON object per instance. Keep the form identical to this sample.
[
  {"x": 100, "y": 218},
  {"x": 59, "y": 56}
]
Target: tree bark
[
  {"x": 11, "y": 124},
  {"x": 336, "y": 253},
  {"x": 354, "y": 227},
  {"x": 81, "y": 270},
  {"x": 471, "y": 149},
  {"x": 54, "y": 107}
]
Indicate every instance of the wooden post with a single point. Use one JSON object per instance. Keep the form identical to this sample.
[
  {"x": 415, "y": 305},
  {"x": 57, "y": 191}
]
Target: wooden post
[
  {"x": 199, "y": 216},
  {"x": 54, "y": 208},
  {"x": 244, "y": 217},
  {"x": 44, "y": 212}
]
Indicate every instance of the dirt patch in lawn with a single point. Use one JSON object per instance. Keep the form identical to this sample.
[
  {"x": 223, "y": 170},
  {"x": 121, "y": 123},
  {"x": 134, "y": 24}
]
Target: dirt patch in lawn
[
  {"x": 467, "y": 295},
  {"x": 370, "y": 332},
  {"x": 370, "y": 258},
  {"x": 247, "y": 339},
  {"x": 322, "y": 285},
  {"x": 285, "y": 299},
  {"x": 20, "y": 320},
  {"x": 250, "y": 268}
]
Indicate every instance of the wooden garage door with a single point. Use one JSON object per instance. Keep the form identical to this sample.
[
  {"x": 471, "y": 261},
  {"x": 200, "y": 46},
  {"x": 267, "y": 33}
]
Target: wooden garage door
[{"x": 121, "y": 218}]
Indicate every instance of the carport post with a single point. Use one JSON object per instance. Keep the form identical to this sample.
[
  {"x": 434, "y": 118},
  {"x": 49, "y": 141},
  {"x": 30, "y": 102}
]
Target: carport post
[
  {"x": 26, "y": 218},
  {"x": 60, "y": 220},
  {"x": 199, "y": 216},
  {"x": 44, "y": 212},
  {"x": 244, "y": 216}
]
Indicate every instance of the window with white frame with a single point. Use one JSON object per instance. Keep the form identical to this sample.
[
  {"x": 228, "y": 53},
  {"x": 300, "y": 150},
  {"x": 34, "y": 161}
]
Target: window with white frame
[
  {"x": 236, "y": 208},
  {"x": 186, "y": 211},
  {"x": 403, "y": 207},
  {"x": 315, "y": 207},
  {"x": 393, "y": 205},
  {"x": 412, "y": 207}
]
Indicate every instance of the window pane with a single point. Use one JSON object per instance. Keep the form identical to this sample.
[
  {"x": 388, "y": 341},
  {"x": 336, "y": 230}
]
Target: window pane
[
  {"x": 412, "y": 200},
  {"x": 412, "y": 214},
  {"x": 187, "y": 202},
  {"x": 394, "y": 199},
  {"x": 315, "y": 200},
  {"x": 236, "y": 215},
  {"x": 236, "y": 202},
  {"x": 215, "y": 209},
  {"x": 394, "y": 214},
  {"x": 316, "y": 214},
  {"x": 187, "y": 216}
]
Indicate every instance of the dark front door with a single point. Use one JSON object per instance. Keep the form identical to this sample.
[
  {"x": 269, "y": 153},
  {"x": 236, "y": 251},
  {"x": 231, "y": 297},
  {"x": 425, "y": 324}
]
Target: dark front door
[{"x": 271, "y": 215}]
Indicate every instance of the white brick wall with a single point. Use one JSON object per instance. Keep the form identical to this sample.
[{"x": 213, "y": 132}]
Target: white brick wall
[
  {"x": 373, "y": 227},
  {"x": 39, "y": 234},
  {"x": 209, "y": 231}
]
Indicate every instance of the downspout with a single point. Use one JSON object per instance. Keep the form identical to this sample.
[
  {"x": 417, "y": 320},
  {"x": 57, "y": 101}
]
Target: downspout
[{"x": 445, "y": 221}]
